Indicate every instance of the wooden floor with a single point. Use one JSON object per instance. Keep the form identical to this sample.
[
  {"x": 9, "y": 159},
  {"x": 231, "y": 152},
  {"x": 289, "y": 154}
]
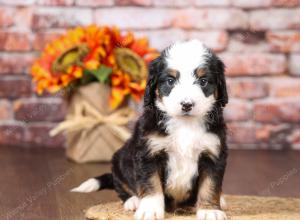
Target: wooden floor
[{"x": 35, "y": 183}]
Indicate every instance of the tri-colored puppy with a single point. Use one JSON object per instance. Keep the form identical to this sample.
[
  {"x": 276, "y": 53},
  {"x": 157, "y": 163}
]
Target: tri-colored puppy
[{"x": 177, "y": 154}]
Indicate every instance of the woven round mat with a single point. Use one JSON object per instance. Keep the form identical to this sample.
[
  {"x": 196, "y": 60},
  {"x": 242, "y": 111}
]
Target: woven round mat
[{"x": 239, "y": 208}]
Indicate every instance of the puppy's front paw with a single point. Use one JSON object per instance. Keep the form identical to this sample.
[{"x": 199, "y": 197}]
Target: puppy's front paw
[
  {"x": 151, "y": 208},
  {"x": 132, "y": 203},
  {"x": 211, "y": 214}
]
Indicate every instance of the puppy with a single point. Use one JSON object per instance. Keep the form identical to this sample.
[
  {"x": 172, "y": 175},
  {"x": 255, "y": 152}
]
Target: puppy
[{"x": 177, "y": 154}]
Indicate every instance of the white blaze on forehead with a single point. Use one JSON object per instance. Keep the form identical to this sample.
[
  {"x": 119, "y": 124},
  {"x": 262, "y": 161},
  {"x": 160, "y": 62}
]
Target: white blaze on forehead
[{"x": 186, "y": 56}]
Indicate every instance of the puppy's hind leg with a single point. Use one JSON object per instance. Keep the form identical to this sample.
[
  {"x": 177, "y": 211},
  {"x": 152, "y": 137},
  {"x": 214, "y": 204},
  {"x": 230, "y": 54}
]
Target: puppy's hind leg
[{"x": 131, "y": 201}]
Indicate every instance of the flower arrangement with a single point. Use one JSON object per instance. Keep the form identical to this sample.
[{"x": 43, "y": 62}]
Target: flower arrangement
[
  {"x": 101, "y": 68},
  {"x": 88, "y": 54}
]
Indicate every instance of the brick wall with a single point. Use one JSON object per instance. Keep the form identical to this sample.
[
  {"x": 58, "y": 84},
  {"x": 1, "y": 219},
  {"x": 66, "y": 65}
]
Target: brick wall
[{"x": 259, "y": 40}]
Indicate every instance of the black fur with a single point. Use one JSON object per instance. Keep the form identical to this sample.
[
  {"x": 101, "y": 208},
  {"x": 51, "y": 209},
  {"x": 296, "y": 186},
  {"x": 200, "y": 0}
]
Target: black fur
[{"x": 106, "y": 181}]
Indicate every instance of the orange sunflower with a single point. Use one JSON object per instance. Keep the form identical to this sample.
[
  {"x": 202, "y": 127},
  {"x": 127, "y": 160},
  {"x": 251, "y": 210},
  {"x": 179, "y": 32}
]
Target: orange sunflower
[{"x": 103, "y": 52}]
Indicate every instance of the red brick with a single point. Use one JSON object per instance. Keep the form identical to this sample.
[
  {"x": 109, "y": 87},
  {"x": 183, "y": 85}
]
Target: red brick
[
  {"x": 250, "y": 41},
  {"x": 33, "y": 110},
  {"x": 264, "y": 3},
  {"x": 277, "y": 111},
  {"x": 11, "y": 134},
  {"x": 13, "y": 41},
  {"x": 134, "y": 17},
  {"x": 172, "y": 3},
  {"x": 285, "y": 3},
  {"x": 284, "y": 41},
  {"x": 15, "y": 88},
  {"x": 248, "y": 36},
  {"x": 41, "y": 39},
  {"x": 251, "y": 4},
  {"x": 160, "y": 39},
  {"x": 59, "y": 94},
  {"x": 44, "y": 18},
  {"x": 5, "y": 110},
  {"x": 94, "y": 3},
  {"x": 214, "y": 3},
  {"x": 247, "y": 88},
  {"x": 273, "y": 136},
  {"x": 10, "y": 63},
  {"x": 134, "y": 2},
  {"x": 254, "y": 64},
  {"x": 241, "y": 133},
  {"x": 284, "y": 87},
  {"x": 37, "y": 135},
  {"x": 216, "y": 40},
  {"x": 294, "y": 64},
  {"x": 197, "y": 3},
  {"x": 23, "y": 18},
  {"x": 236, "y": 45},
  {"x": 206, "y": 19},
  {"x": 17, "y": 2},
  {"x": 55, "y": 2},
  {"x": 273, "y": 19},
  {"x": 237, "y": 111},
  {"x": 255, "y": 35},
  {"x": 6, "y": 17},
  {"x": 264, "y": 133},
  {"x": 294, "y": 139}
]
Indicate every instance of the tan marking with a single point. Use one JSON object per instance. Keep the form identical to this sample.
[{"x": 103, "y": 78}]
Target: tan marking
[
  {"x": 216, "y": 94},
  {"x": 179, "y": 194},
  {"x": 200, "y": 72},
  {"x": 156, "y": 92},
  {"x": 207, "y": 197},
  {"x": 156, "y": 183},
  {"x": 153, "y": 188},
  {"x": 141, "y": 191},
  {"x": 205, "y": 188},
  {"x": 173, "y": 73},
  {"x": 125, "y": 187},
  {"x": 158, "y": 95}
]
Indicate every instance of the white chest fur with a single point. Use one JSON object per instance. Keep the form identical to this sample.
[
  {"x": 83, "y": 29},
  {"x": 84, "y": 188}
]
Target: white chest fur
[{"x": 186, "y": 140}]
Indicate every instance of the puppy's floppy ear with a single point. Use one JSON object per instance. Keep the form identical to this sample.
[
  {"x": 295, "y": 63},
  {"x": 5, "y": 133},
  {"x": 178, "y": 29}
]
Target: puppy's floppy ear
[
  {"x": 150, "y": 94},
  {"x": 222, "y": 95}
]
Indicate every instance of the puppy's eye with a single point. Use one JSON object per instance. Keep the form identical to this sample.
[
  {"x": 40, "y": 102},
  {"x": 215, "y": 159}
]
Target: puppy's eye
[
  {"x": 170, "y": 81},
  {"x": 203, "y": 82}
]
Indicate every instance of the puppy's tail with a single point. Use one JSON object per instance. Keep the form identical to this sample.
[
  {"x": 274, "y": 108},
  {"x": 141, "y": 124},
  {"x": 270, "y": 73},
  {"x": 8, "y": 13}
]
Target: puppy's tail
[{"x": 104, "y": 181}]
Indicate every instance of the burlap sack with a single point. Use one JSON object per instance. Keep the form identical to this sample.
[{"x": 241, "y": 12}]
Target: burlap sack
[{"x": 93, "y": 132}]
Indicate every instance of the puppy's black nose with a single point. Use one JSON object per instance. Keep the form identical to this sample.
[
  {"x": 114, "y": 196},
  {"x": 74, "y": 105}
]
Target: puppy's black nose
[{"x": 186, "y": 106}]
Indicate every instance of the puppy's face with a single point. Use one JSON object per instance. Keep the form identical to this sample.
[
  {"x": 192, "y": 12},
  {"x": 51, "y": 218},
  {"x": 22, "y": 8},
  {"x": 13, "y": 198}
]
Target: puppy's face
[{"x": 188, "y": 79}]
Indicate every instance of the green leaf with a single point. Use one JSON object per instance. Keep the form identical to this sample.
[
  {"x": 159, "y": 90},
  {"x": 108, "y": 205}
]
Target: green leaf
[
  {"x": 102, "y": 74},
  {"x": 88, "y": 78}
]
